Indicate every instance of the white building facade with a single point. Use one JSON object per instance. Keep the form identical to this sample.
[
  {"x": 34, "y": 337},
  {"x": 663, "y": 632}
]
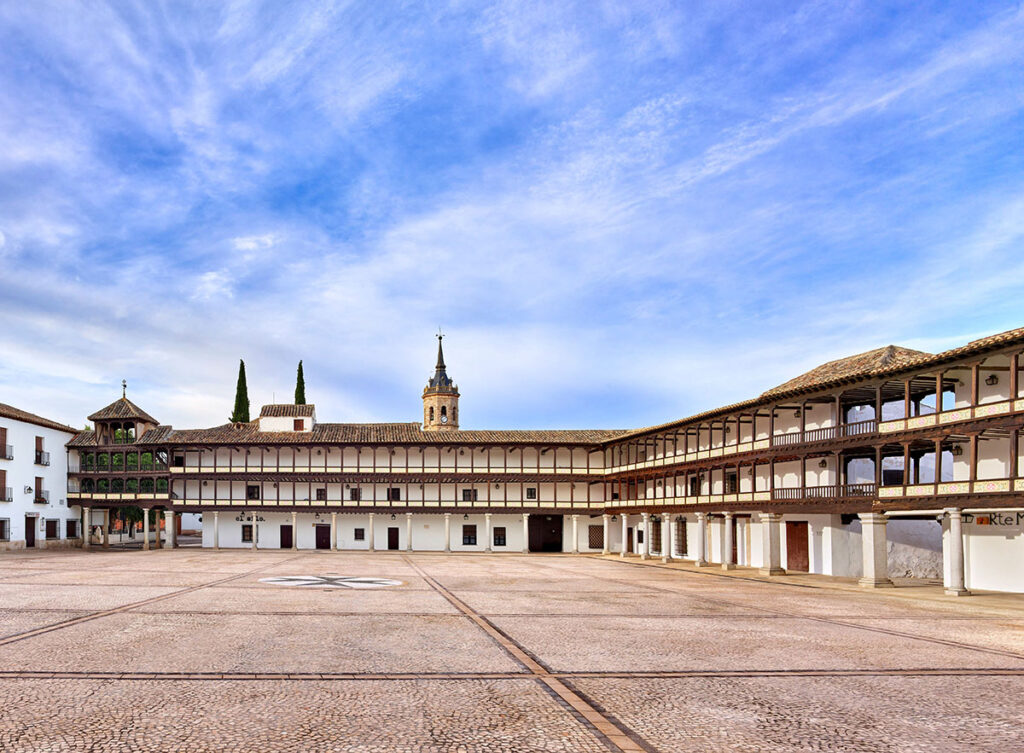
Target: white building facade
[
  {"x": 891, "y": 463},
  {"x": 34, "y": 510}
]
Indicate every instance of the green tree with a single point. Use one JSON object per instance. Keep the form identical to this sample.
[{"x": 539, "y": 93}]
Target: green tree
[
  {"x": 241, "y": 412},
  {"x": 300, "y": 387}
]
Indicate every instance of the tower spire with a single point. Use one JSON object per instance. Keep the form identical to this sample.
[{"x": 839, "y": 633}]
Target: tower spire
[
  {"x": 440, "y": 352},
  {"x": 441, "y": 395}
]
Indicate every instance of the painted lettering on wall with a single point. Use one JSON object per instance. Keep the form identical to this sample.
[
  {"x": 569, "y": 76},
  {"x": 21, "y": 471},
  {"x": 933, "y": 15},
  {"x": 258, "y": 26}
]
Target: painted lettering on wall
[{"x": 1012, "y": 518}]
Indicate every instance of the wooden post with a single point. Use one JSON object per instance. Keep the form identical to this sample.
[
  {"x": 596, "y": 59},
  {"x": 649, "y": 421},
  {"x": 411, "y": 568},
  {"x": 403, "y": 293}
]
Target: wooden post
[
  {"x": 973, "y": 460},
  {"x": 1014, "y": 369},
  {"x": 938, "y": 463},
  {"x": 906, "y": 399}
]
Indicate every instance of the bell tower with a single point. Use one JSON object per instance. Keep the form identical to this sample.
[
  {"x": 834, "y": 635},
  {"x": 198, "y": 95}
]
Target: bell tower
[{"x": 440, "y": 397}]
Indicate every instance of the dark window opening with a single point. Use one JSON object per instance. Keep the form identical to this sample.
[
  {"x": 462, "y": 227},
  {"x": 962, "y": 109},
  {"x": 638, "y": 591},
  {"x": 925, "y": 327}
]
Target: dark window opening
[
  {"x": 355, "y": 494},
  {"x": 469, "y": 495},
  {"x": 469, "y": 535},
  {"x": 360, "y": 534},
  {"x": 394, "y": 494},
  {"x": 321, "y": 495},
  {"x": 731, "y": 484},
  {"x": 246, "y": 533},
  {"x": 499, "y": 536},
  {"x": 252, "y": 491},
  {"x": 297, "y": 424},
  {"x": 531, "y": 492}
]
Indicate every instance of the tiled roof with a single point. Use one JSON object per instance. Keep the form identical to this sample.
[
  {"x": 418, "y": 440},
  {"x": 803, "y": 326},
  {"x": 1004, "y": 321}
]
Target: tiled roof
[
  {"x": 863, "y": 364},
  {"x": 883, "y": 362},
  {"x": 16, "y": 414},
  {"x": 156, "y": 435},
  {"x": 399, "y": 433},
  {"x": 124, "y": 409},
  {"x": 285, "y": 410}
]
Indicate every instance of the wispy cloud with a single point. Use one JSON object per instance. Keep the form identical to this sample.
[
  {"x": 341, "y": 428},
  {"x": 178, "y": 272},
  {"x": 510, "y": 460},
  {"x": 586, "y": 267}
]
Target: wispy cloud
[{"x": 621, "y": 212}]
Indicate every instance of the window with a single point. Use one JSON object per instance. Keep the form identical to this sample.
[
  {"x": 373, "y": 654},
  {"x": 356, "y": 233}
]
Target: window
[
  {"x": 694, "y": 486},
  {"x": 431, "y": 414},
  {"x": 531, "y": 492},
  {"x": 321, "y": 495},
  {"x": 6, "y": 451},
  {"x": 252, "y": 491},
  {"x": 360, "y": 534},
  {"x": 246, "y": 533},
  {"x": 469, "y": 535},
  {"x": 71, "y": 529},
  {"x": 615, "y": 495},
  {"x": 355, "y": 494},
  {"x": 730, "y": 483},
  {"x": 394, "y": 494},
  {"x": 297, "y": 424},
  {"x": 5, "y": 529},
  {"x": 595, "y": 537},
  {"x": 499, "y": 536},
  {"x": 179, "y": 461},
  {"x": 639, "y": 535},
  {"x": 469, "y": 495},
  {"x": 52, "y": 528},
  {"x": 444, "y": 413}
]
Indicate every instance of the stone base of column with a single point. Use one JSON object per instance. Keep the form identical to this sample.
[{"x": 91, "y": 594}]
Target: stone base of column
[
  {"x": 728, "y": 566},
  {"x": 644, "y": 556},
  {"x": 956, "y": 592},
  {"x": 701, "y": 563},
  {"x": 875, "y": 583},
  {"x": 664, "y": 559},
  {"x": 771, "y": 571}
]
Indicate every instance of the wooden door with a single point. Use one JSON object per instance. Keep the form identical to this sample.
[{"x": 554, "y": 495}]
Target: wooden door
[
  {"x": 51, "y": 529},
  {"x": 629, "y": 540},
  {"x": 323, "y": 537},
  {"x": 30, "y": 532},
  {"x": 393, "y": 538},
  {"x": 545, "y": 533},
  {"x": 286, "y": 537},
  {"x": 797, "y": 547}
]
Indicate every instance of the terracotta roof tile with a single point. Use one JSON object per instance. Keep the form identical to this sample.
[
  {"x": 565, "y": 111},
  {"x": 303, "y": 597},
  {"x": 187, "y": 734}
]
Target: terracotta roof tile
[
  {"x": 851, "y": 367},
  {"x": 16, "y": 414},
  {"x": 122, "y": 408},
  {"x": 285, "y": 410}
]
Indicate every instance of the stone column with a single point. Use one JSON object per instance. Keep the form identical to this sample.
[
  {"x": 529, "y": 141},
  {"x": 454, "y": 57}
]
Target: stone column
[
  {"x": 254, "y": 546},
  {"x": 875, "y": 551},
  {"x": 702, "y": 540},
  {"x": 575, "y": 534},
  {"x": 606, "y": 540},
  {"x": 86, "y": 526},
  {"x": 487, "y": 531},
  {"x": 369, "y": 533},
  {"x": 295, "y": 530},
  {"x": 625, "y": 535},
  {"x": 727, "y": 563},
  {"x": 771, "y": 545},
  {"x": 666, "y": 538},
  {"x": 447, "y": 531},
  {"x": 172, "y": 533},
  {"x": 645, "y": 518},
  {"x": 334, "y": 531},
  {"x": 526, "y": 533},
  {"x": 216, "y": 530},
  {"x": 954, "y": 554},
  {"x": 145, "y": 529},
  {"x": 106, "y": 528}
]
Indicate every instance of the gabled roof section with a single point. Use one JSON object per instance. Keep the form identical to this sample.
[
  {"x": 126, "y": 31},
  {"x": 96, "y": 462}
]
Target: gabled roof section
[
  {"x": 16, "y": 414},
  {"x": 122, "y": 409},
  {"x": 286, "y": 410},
  {"x": 401, "y": 433},
  {"x": 851, "y": 367}
]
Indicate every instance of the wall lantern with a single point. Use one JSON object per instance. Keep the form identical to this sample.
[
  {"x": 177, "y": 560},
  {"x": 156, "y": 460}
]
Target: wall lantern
[
  {"x": 465, "y": 517},
  {"x": 957, "y": 450},
  {"x": 991, "y": 380},
  {"x": 796, "y": 413},
  {"x": 679, "y": 518},
  {"x": 318, "y": 452},
  {"x": 614, "y": 518},
  {"x": 823, "y": 463},
  {"x": 392, "y": 516}
]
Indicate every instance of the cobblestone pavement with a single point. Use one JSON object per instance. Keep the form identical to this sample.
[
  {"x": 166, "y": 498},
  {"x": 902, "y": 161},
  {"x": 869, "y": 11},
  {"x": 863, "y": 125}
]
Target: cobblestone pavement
[{"x": 187, "y": 650}]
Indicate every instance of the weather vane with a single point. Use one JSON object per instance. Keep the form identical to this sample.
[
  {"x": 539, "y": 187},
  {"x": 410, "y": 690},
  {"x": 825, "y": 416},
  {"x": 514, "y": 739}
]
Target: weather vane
[
  {"x": 440, "y": 334},
  {"x": 124, "y": 388}
]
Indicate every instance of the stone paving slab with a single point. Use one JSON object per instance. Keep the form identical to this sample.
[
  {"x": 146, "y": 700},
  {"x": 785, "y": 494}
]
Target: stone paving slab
[
  {"x": 594, "y": 602},
  {"x": 43, "y": 596},
  {"x": 468, "y": 716},
  {"x": 996, "y": 633},
  {"x": 730, "y": 642},
  {"x": 17, "y": 621},
  {"x": 239, "y": 598},
  {"x": 252, "y": 643},
  {"x": 848, "y": 714}
]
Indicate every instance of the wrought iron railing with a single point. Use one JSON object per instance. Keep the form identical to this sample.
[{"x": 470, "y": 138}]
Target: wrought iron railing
[
  {"x": 42, "y": 458},
  {"x": 6, "y": 452},
  {"x": 42, "y": 497},
  {"x": 8, "y": 494}
]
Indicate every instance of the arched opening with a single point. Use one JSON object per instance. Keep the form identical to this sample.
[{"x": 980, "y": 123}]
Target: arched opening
[{"x": 431, "y": 414}]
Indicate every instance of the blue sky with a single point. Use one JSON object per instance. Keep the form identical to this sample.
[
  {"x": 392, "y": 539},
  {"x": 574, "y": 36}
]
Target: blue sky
[{"x": 621, "y": 213}]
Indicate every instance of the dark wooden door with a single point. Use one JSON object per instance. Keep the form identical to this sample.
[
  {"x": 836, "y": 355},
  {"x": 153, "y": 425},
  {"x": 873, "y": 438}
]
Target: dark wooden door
[
  {"x": 629, "y": 540},
  {"x": 393, "y": 538},
  {"x": 286, "y": 537},
  {"x": 546, "y": 533},
  {"x": 323, "y": 537},
  {"x": 30, "y": 531},
  {"x": 797, "y": 547},
  {"x": 51, "y": 529}
]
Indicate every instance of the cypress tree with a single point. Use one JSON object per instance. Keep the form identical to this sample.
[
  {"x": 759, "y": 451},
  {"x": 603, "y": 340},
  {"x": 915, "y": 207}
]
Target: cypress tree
[
  {"x": 300, "y": 387},
  {"x": 241, "y": 413}
]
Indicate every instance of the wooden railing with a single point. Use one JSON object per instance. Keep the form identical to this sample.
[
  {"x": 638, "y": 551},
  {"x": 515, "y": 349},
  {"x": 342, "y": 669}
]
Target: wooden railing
[{"x": 832, "y": 491}]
